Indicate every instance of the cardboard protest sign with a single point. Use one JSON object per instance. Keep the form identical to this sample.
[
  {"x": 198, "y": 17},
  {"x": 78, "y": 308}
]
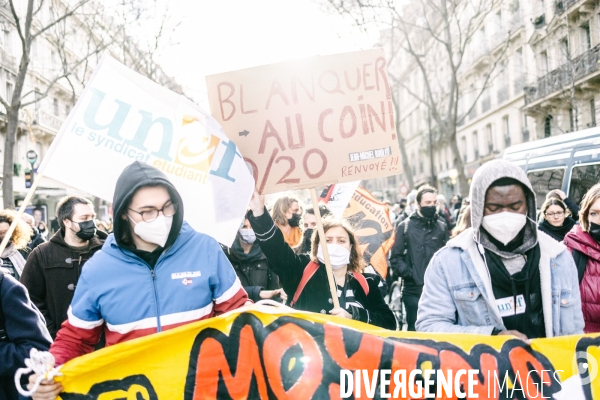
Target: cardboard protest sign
[
  {"x": 369, "y": 216},
  {"x": 304, "y": 123},
  {"x": 123, "y": 117},
  {"x": 268, "y": 353}
]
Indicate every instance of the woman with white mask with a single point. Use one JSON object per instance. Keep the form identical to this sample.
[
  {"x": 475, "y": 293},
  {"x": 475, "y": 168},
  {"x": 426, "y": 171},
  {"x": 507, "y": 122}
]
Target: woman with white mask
[
  {"x": 252, "y": 268},
  {"x": 304, "y": 276}
]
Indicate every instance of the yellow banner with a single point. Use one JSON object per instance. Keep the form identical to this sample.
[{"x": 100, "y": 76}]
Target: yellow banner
[{"x": 262, "y": 353}]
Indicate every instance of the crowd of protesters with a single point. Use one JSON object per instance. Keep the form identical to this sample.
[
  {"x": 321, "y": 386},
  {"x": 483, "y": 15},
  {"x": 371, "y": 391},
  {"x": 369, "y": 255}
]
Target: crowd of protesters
[{"x": 484, "y": 264}]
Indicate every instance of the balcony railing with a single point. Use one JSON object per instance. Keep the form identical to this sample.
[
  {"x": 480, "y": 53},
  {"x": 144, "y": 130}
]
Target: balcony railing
[
  {"x": 579, "y": 67},
  {"x": 540, "y": 21},
  {"x": 48, "y": 121},
  {"x": 562, "y": 5}
]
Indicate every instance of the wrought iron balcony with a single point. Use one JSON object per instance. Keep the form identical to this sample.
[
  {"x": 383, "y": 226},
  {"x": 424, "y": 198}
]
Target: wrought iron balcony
[
  {"x": 578, "y": 68},
  {"x": 562, "y": 5},
  {"x": 540, "y": 21}
]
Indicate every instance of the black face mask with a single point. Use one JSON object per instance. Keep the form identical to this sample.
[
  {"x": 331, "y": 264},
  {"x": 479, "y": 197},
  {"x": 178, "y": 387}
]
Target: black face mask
[
  {"x": 595, "y": 231},
  {"x": 87, "y": 229},
  {"x": 428, "y": 211},
  {"x": 295, "y": 220}
]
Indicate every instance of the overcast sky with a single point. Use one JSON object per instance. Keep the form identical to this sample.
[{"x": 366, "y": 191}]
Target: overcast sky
[{"x": 224, "y": 35}]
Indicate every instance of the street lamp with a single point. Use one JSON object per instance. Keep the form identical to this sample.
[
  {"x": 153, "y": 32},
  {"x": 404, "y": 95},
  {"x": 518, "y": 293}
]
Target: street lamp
[{"x": 32, "y": 157}]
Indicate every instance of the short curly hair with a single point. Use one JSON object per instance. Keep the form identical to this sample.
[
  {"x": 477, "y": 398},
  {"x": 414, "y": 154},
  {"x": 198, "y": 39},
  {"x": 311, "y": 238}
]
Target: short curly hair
[{"x": 21, "y": 236}]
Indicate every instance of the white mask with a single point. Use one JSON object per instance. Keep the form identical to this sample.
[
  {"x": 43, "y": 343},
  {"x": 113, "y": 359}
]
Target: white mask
[
  {"x": 247, "y": 236},
  {"x": 156, "y": 232},
  {"x": 504, "y": 226},
  {"x": 338, "y": 255}
]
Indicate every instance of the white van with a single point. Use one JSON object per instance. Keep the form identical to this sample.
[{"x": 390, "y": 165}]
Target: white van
[{"x": 570, "y": 162}]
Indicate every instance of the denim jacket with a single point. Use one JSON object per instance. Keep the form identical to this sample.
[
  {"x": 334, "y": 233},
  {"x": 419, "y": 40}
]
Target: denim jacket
[{"x": 458, "y": 296}]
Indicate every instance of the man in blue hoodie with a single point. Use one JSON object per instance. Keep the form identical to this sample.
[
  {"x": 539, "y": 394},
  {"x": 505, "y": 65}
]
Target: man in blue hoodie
[{"x": 153, "y": 273}]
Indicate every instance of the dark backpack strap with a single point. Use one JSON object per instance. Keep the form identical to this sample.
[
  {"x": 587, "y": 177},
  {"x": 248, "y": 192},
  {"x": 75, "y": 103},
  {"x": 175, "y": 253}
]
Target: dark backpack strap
[
  {"x": 308, "y": 273},
  {"x": 363, "y": 282}
]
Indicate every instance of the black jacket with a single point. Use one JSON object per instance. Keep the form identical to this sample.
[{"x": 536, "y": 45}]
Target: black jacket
[
  {"x": 316, "y": 296},
  {"x": 25, "y": 329},
  {"x": 573, "y": 207},
  {"x": 252, "y": 269},
  {"x": 412, "y": 251},
  {"x": 51, "y": 274}
]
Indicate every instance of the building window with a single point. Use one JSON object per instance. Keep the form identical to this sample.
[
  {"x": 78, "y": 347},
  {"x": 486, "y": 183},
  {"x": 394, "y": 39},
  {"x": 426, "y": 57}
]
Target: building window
[
  {"x": 475, "y": 145},
  {"x": 9, "y": 91},
  {"x": 519, "y": 72},
  {"x": 543, "y": 63},
  {"x": 593, "y": 111},
  {"x": 548, "y": 126},
  {"x": 506, "y": 130},
  {"x": 67, "y": 109},
  {"x": 564, "y": 49},
  {"x": 572, "y": 120},
  {"x": 586, "y": 37},
  {"x": 55, "y": 103},
  {"x": 38, "y": 97},
  {"x": 490, "y": 138},
  {"x": 464, "y": 148}
]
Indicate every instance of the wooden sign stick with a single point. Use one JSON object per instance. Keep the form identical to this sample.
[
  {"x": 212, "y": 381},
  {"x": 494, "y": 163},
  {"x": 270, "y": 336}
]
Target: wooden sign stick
[{"x": 323, "y": 241}]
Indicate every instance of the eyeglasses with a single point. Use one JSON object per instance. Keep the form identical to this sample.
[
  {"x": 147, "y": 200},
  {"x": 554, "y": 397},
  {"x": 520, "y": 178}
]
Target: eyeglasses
[
  {"x": 555, "y": 214},
  {"x": 168, "y": 210}
]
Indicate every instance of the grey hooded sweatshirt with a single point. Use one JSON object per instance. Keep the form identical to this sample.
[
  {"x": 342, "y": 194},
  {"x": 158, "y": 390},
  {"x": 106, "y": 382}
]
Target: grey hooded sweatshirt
[{"x": 485, "y": 175}]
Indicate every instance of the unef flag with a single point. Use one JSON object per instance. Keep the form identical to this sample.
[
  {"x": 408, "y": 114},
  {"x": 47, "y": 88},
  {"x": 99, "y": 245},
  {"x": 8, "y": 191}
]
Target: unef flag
[
  {"x": 371, "y": 218},
  {"x": 122, "y": 117}
]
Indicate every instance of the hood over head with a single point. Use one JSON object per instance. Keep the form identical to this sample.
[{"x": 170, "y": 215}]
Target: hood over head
[
  {"x": 132, "y": 178},
  {"x": 483, "y": 178}
]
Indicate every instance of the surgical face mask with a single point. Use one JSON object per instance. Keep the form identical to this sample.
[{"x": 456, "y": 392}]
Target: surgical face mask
[
  {"x": 156, "y": 231},
  {"x": 87, "y": 229},
  {"x": 247, "y": 236},
  {"x": 504, "y": 226},
  {"x": 338, "y": 255}
]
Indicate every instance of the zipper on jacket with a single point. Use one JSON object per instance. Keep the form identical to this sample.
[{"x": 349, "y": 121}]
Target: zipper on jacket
[{"x": 158, "y": 325}]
